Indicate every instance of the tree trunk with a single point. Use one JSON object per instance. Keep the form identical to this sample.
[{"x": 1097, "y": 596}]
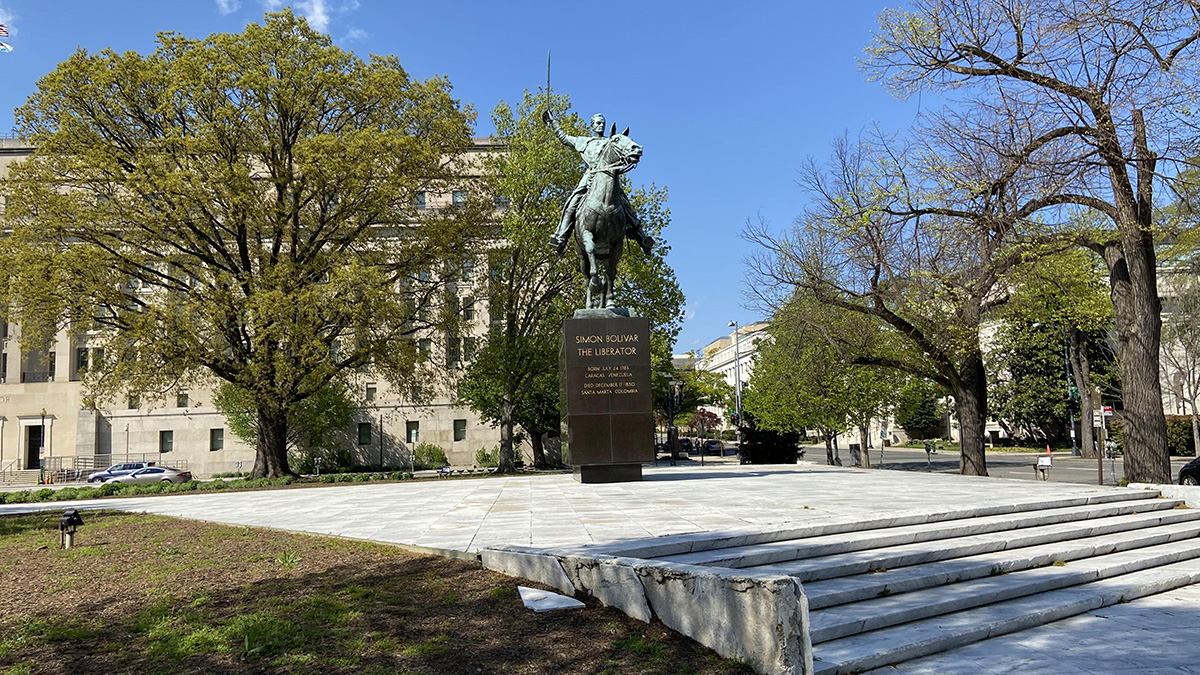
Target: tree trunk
[
  {"x": 506, "y": 430},
  {"x": 552, "y": 449},
  {"x": 970, "y": 404},
  {"x": 539, "y": 450},
  {"x": 1081, "y": 370},
  {"x": 1133, "y": 285},
  {"x": 1195, "y": 432},
  {"x": 270, "y": 457},
  {"x": 865, "y": 430},
  {"x": 829, "y": 448},
  {"x": 1134, "y": 292}
]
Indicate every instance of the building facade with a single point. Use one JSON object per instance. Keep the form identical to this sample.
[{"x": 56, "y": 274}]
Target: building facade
[{"x": 47, "y": 417}]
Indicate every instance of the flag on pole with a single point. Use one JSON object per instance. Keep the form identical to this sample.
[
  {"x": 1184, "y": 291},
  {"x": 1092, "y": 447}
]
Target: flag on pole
[
  {"x": 5, "y": 47},
  {"x": 3, "y": 30}
]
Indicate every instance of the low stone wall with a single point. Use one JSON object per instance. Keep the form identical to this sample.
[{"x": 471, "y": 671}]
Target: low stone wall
[
  {"x": 1188, "y": 493},
  {"x": 759, "y": 619}
]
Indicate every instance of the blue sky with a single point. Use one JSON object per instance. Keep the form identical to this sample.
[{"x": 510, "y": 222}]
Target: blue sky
[{"x": 728, "y": 99}]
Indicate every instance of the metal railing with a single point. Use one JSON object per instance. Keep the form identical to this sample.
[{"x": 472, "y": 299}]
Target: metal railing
[
  {"x": 37, "y": 375},
  {"x": 76, "y": 468}
]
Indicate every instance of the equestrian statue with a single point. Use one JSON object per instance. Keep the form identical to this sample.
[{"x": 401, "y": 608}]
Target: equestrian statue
[{"x": 598, "y": 211}]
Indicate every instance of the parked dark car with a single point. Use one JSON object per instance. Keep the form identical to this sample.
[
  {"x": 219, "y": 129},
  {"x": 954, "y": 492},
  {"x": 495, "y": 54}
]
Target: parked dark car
[
  {"x": 714, "y": 447},
  {"x": 685, "y": 445},
  {"x": 1190, "y": 473},
  {"x": 117, "y": 470}
]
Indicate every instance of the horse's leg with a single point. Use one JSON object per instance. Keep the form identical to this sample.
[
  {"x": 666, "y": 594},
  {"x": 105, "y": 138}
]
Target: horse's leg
[
  {"x": 610, "y": 272},
  {"x": 589, "y": 250}
]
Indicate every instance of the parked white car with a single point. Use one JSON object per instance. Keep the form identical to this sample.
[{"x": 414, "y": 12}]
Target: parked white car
[{"x": 153, "y": 474}]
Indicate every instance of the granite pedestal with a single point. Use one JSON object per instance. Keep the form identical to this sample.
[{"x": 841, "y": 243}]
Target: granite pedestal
[{"x": 608, "y": 419}]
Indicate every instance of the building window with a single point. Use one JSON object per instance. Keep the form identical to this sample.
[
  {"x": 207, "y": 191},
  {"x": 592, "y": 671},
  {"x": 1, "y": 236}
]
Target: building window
[
  {"x": 97, "y": 358},
  {"x": 468, "y": 309},
  {"x": 500, "y": 201},
  {"x": 458, "y": 197},
  {"x": 419, "y": 201},
  {"x": 166, "y": 441},
  {"x": 181, "y": 400},
  {"x": 468, "y": 269},
  {"x": 133, "y": 401},
  {"x": 216, "y": 439},
  {"x": 460, "y": 430},
  {"x": 426, "y": 346},
  {"x": 468, "y": 348},
  {"x": 4, "y": 367},
  {"x": 412, "y": 431},
  {"x": 371, "y": 389},
  {"x": 51, "y": 359},
  {"x": 452, "y": 350},
  {"x": 364, "y": 433},
  {"x": 81, "y": 360}
]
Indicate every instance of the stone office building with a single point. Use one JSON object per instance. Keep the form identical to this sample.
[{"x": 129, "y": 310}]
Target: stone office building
[{"x": 45, "y": 416}]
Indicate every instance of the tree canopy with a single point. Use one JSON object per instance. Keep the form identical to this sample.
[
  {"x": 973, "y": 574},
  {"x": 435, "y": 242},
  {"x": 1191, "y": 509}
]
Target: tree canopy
[{"x": 241, "y": 208}]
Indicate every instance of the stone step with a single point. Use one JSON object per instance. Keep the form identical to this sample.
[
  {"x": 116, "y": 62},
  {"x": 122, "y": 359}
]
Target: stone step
[
  {"x": 874, "y": 560},
  {"x": 930, "y": 636},
  {"x": 845, "y": 620},
  {"x": 22, "y": 477},
  {"x": 842, "y": 590},
  {"x": 810, "y": 547},
  {"x": 673, "y": 545}
]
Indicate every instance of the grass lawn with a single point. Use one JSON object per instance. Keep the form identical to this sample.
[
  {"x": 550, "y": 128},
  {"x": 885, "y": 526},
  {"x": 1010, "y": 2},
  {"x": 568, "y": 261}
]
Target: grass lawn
[{"x": 150, "y": 594}]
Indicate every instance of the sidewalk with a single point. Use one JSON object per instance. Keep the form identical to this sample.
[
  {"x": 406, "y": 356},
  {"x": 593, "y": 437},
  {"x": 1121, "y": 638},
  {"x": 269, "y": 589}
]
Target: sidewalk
[{"x": 466, "y": 515}]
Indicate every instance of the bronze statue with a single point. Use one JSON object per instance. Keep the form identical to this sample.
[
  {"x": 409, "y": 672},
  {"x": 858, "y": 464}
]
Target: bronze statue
[{"x": 598, "y": 210}]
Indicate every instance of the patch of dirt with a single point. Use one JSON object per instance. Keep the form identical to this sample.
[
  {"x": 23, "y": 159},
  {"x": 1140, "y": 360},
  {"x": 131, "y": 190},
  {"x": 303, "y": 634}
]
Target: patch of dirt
[{"x": 149, "y": 594}]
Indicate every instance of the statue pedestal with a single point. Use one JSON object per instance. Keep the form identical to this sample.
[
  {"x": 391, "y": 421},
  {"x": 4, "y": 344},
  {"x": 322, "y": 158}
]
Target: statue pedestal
[{"x": 608, "y": 420}]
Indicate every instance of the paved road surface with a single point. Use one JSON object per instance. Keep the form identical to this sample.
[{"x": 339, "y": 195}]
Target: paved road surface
[{"x": 1019, "y": 465}]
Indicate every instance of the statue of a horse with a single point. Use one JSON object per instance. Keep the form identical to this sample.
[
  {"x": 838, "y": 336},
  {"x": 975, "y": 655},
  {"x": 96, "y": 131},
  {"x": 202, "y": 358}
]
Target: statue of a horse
[{"x": 601, "y": 218}]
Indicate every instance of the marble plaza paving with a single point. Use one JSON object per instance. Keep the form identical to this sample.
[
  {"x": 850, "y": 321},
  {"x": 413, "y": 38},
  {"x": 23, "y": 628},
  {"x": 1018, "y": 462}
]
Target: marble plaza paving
[
  {"x": 1155, "y": 634},
  {"x": 553, "y": 510}
]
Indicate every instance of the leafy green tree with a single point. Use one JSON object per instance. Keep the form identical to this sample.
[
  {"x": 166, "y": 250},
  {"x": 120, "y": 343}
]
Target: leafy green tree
[
  {"x": 1057, "y": 313},
  {"x": 240, "y": 207},
  {"x": 917, "y": 409},
  {"x": 313, "y": 423},
  {"x": 530, "y": 289},
  {"x": 804, "y": 377}
]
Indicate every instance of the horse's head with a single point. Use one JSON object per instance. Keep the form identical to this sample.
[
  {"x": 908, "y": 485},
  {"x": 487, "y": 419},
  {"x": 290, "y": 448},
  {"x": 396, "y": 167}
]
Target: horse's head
[{"x": 621, "y": 152}]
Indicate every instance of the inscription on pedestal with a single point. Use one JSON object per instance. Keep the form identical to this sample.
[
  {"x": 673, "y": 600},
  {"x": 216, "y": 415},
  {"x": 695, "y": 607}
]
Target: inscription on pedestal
[{"x": 607, "y": 413}]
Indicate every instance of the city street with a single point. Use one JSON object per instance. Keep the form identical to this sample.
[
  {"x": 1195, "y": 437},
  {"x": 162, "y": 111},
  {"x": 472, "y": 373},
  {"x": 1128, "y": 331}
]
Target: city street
[{"x": 1065, "y": 468}]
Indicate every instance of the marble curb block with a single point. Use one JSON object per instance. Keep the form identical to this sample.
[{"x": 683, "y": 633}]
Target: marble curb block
[
  {"x": 757, "y": 618},
  {"x": 1188, "y": 493},
  {"x": 544, "y": 601}
]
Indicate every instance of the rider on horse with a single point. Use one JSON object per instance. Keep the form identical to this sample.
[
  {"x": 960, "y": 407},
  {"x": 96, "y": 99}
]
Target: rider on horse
[{"x": 590, "y": 148}]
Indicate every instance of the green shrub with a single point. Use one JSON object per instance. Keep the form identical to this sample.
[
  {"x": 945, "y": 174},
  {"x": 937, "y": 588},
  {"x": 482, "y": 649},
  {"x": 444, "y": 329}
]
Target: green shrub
[
  {"x": 429, "y": 456},
  {"x": 43, "y": 495},
  {"x": 109, "y": 489},
  {"x": 396, "y": 475},
  {"x": 18, "y": 497},
  {"x": 284, "y": 480},
  {"x": 406, "y": 475},
  {"x": 66, "y": 493},
  {"x": 487, "y": 459},
  {"x": 1179, "y": 435}
]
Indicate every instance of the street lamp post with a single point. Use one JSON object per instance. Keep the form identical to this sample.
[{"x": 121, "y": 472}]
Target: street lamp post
[
  {"x": 672, "y": 404},
  {"x": 737, "y": 374},
  {"x": 42, "y": 450}
]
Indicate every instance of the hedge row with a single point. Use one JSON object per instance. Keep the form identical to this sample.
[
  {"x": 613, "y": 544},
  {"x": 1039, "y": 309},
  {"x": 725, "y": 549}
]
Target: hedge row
[{"x": 127, "y": 490}]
